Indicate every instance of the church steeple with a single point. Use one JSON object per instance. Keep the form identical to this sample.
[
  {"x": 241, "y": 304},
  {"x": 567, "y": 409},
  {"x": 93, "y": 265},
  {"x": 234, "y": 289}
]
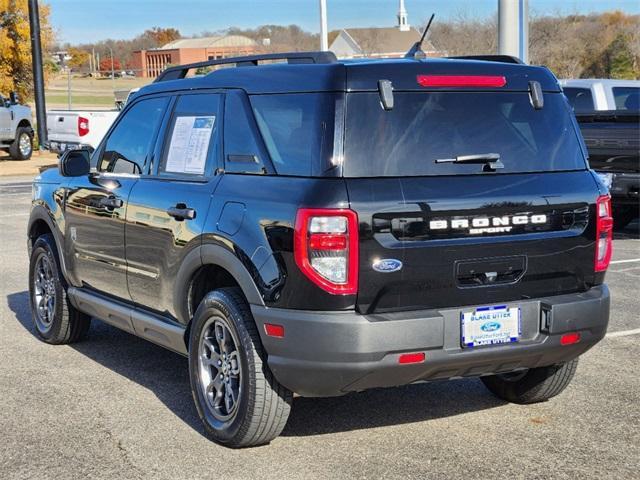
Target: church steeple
[{"x": 403, "y": 21}]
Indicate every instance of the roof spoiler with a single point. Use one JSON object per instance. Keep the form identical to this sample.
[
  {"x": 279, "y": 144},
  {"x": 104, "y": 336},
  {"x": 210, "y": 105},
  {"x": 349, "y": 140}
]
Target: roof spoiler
[
  {"x": 490, "y": 58},
  {"x": 180, "y": 71}
]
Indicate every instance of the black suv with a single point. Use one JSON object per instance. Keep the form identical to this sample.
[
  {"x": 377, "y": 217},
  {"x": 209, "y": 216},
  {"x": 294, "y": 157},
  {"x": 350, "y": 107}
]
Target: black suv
[{"x": 299, "y": 224}]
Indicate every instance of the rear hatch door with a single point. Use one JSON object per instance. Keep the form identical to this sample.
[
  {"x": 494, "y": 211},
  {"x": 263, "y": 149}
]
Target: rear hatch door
[{"x": 436, "y": 235}]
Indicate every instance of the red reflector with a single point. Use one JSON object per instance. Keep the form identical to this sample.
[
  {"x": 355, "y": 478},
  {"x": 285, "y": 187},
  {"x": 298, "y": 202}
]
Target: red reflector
[
  {"x": 327, "y": 241},
  {"x": 570, "y": 338},
  {"x": 461, "y": 81},
  {"x": 274, "y": 330},
  {"x": 411, "y": 358}
]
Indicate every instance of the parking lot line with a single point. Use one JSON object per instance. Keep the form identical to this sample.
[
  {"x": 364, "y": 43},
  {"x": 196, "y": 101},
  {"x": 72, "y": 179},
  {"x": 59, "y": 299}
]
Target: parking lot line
[
  {"x": 624, "y": 333},
  {"x": 614, "y": 262}
]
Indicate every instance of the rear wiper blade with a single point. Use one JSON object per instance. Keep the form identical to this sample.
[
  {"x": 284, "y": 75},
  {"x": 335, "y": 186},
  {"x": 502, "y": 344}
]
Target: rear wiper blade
[{"x": 491, "y": 161}]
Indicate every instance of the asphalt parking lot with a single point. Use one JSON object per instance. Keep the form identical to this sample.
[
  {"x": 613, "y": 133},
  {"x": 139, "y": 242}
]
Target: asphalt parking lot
[{"x": 115, "y": 406}]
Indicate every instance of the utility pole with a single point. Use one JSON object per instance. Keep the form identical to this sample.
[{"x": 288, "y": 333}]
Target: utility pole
[
  {"x": 38, "y": 76},
  {"x": 68, "y": 88},
  {"x": 324, "y": 39},
  {"x": 513, "y": 28},
  {"x": 113, "y": 74}
]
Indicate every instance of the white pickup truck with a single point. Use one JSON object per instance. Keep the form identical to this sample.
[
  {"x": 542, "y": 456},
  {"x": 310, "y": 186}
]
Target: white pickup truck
[
  {"x": 73, "y": 129},
  {"x": 587, "y": 95},
  {"x": 16, "y": 132}
]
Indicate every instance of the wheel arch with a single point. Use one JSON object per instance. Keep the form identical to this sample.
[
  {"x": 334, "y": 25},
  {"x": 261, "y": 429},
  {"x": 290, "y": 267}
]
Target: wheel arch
[
  {"x": 25, "y": 123},
  {"x": 40, "y": 223},
  {"x": 211, "y": 266}
]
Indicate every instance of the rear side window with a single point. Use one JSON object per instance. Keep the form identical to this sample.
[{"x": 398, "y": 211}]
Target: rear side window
[
  {"x": 128, "y": 145},
  {"x": 580, "y": 99},
  {"x": 297, "y": 130},
  {"x": 425, "y": 127},
  {"x": 244, "y": 152},
  {"x": 627, "y": 98},
  {"x": 191, "y": 148}
]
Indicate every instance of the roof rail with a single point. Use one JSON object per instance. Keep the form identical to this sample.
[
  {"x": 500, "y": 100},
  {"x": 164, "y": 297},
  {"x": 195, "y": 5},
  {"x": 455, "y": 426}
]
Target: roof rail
[
  {"x": 180, "y": 71},
  {"x": 491, "y": 58}
]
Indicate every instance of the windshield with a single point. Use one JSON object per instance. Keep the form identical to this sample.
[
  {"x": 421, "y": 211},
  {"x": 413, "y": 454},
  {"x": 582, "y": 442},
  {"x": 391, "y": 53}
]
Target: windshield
[{"x": 424, "y": 127}]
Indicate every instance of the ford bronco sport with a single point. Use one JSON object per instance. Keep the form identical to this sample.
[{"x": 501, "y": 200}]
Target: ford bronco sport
[{"x": 300, "y": 224}]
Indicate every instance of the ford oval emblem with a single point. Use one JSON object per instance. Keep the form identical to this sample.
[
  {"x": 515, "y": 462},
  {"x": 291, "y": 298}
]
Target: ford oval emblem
[
  {"x": 490, "y": 326},
  {"x": 387, "y": 265}
]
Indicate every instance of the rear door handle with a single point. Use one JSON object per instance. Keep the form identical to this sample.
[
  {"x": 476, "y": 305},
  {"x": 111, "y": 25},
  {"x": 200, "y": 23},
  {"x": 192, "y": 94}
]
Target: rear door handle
[
  {"x": 111, "y": 202},
  {"x": 181, "y": 212}
]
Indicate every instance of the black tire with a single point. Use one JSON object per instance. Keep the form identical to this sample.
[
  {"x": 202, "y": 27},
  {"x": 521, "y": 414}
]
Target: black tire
[
  {"x": 263, "y": 405},
  {"x": 532, "y": 386},
  {"x": 15, "y": 151},
  {"x": 66, "y": 324}
]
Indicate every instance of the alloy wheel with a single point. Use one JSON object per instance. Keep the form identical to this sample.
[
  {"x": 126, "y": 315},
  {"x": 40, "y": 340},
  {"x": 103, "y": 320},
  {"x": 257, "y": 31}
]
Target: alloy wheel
[
  {"x": 220, "y": 369},
  {"x": 24, "y": 144},
  {"x": 44, "y": 292}
]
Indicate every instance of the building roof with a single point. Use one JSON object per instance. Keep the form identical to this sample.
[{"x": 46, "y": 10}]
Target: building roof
[
  {"x": 211, "y": 42},
  {"x": 384, "y": 40}
]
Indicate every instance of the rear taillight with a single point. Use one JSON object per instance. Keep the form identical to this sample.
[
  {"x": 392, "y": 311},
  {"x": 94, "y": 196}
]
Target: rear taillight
[
  {"x": 83, "y": 126},
  {"x": 604, "y": 233},
  {"x": 326, "y": 248},
  {"x": 461, "y": 80}
]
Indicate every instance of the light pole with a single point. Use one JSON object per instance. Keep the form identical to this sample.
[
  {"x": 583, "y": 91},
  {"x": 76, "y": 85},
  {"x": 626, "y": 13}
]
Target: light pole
[
  {"x": 38, "y": 76},
  {"x": 324, "y": 40},
  {"x": 513, "y": 28},
  {"x": 113, "y": 75}
]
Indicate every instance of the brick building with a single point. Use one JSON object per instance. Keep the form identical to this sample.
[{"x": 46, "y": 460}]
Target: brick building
[{"x": 149, "y": 63}]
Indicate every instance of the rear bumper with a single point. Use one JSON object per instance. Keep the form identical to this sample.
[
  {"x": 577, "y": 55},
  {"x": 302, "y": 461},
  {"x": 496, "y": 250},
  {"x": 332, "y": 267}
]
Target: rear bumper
[
  {"x": 59, "y": 148},
  {"x": 333, "y": 353}
]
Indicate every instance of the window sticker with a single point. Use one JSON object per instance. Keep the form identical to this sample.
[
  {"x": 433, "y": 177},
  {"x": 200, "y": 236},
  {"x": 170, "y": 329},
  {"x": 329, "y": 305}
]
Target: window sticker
[{"x": 190, "y": 144}]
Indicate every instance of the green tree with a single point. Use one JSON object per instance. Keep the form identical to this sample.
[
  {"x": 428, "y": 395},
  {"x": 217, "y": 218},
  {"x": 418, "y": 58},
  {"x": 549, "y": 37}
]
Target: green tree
[{"x": 621, "y": 61}]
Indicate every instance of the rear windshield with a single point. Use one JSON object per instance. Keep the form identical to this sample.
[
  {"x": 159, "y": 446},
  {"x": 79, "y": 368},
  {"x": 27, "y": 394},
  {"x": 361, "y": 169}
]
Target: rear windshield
[
  {"x": 627, "y": 98},
  {"x": 423, "y": 127},
  {"x": 580, "y": 99}
]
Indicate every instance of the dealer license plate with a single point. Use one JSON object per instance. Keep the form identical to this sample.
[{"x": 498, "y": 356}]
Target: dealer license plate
[{"x": 490, "y": 326}]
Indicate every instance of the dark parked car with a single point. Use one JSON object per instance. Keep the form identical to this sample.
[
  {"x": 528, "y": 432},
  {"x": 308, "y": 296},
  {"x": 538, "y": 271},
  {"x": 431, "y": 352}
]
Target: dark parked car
[
  {"x": 320, "y": 227},
  {"x": 613, "y": 143}
]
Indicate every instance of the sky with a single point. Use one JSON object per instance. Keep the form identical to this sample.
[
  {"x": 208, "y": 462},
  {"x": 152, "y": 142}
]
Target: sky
[{"x": 83, "y": 21}]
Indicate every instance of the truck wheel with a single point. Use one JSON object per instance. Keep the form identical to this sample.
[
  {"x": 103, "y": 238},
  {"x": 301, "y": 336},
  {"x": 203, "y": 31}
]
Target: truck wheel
[
  {"x": 533, "y": 385},
  {"x": 55, "y": 319},
  {"x": 22, "y": 146},
  {"x": 238, "y": 400}
]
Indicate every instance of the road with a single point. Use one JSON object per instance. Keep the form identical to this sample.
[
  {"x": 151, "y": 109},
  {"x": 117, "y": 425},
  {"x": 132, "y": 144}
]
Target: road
[{"x": 115, "y": 406}]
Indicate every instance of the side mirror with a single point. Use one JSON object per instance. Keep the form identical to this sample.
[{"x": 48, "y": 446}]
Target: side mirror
[
  {"x": 75, "y": 163},
  {"x": 13, "y": 98}
]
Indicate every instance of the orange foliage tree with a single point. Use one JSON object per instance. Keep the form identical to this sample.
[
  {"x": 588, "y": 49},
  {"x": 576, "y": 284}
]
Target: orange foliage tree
[{"x": 15, "y": 46}]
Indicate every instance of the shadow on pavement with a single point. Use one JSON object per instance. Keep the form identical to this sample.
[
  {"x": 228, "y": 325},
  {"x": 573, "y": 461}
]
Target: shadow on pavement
[{"x": 166, "y": 375}]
